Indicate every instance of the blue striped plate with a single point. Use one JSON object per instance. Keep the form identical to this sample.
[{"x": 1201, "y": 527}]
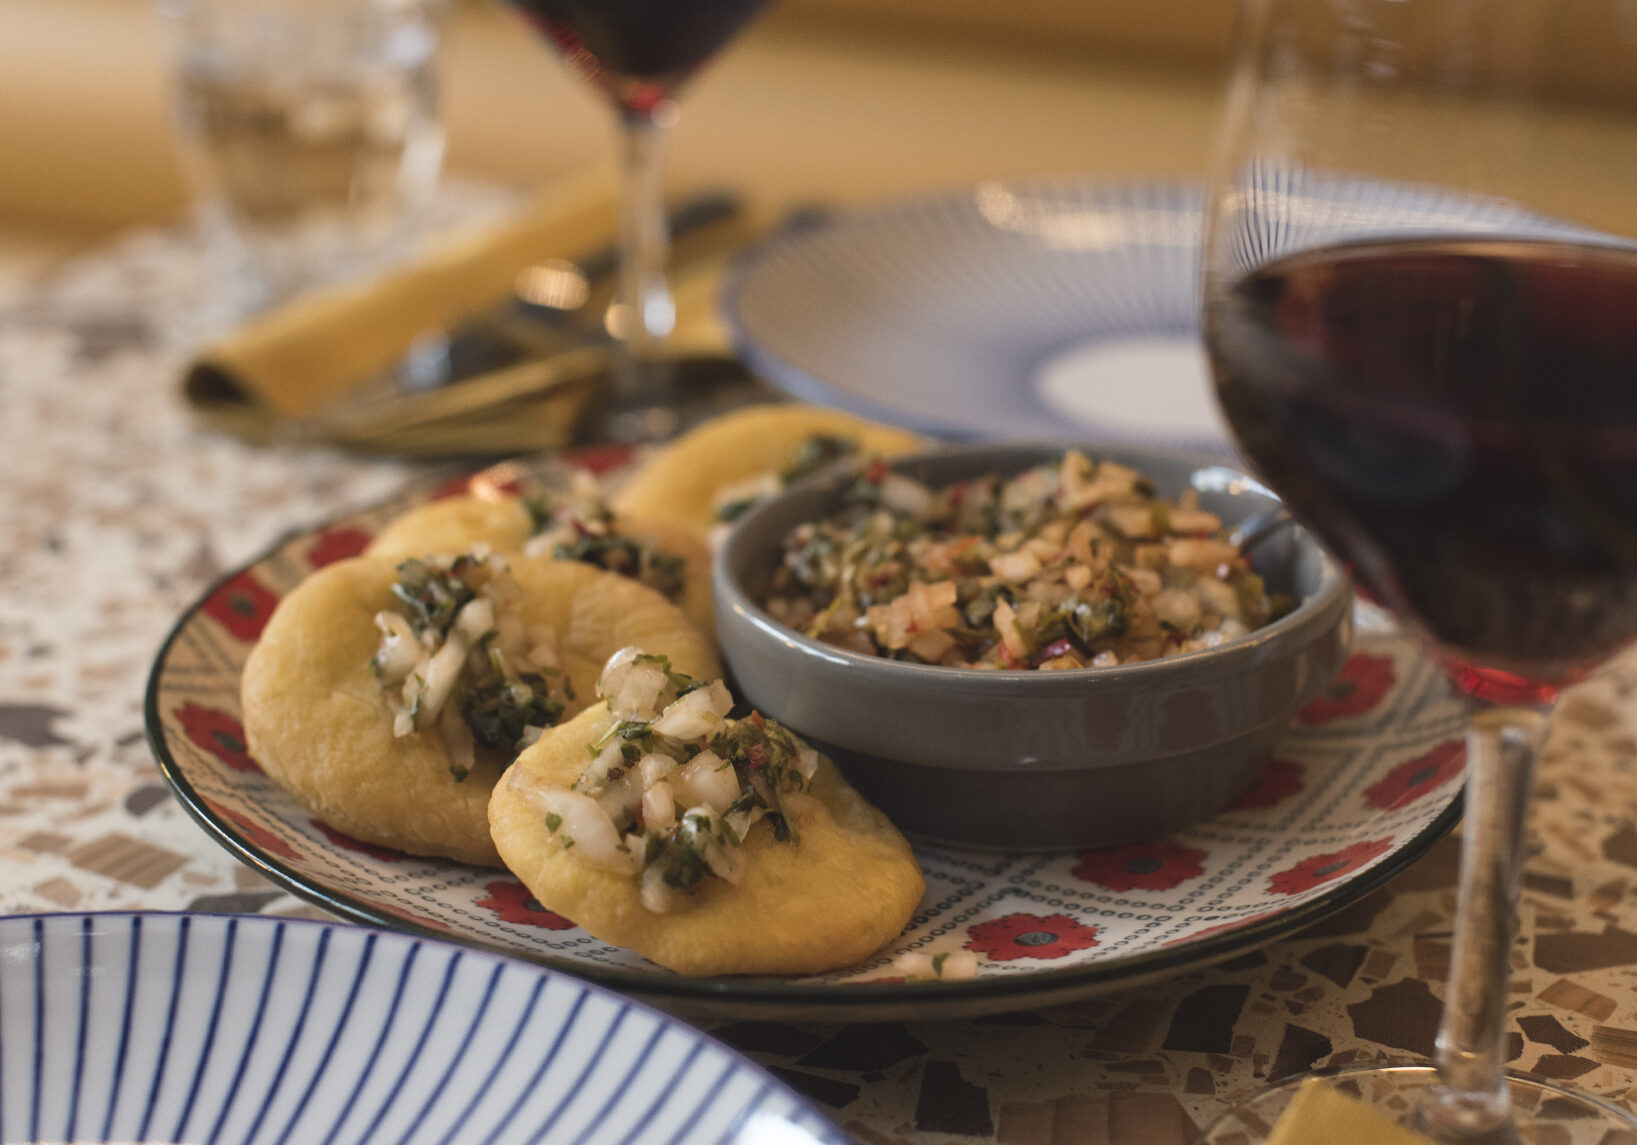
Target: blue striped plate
[
  {"x": 1001, "y": 310},
  {"x": 262, "y": 1031}
]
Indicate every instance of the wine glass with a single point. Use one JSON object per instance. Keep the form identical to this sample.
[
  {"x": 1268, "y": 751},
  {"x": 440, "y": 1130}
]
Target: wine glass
[
  {"x": 637, "y": 53},
  {"x": 1420, "y": 289}
]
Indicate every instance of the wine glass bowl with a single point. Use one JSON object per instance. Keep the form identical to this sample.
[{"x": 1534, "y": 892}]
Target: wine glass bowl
[
  {"x": 1476, "y": 477},
  {"x": 1420, "y": 294},
  {"x": 637, "y": 52}
]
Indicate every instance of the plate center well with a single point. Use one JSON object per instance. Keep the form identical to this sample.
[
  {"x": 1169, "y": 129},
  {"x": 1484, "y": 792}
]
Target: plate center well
[{"x": 1155, "y": 388}]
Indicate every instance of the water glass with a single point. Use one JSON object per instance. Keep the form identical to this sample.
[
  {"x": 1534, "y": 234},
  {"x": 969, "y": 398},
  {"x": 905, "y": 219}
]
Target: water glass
[{"x": 312, "y": 131}]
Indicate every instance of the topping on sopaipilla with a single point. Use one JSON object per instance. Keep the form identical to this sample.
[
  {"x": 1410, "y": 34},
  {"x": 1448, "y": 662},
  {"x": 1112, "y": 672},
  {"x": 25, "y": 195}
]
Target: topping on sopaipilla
[
  {"x": 673, "y": 787},
  {"x": 578, "y": 525},
  {"x": 459, "y": 658}
]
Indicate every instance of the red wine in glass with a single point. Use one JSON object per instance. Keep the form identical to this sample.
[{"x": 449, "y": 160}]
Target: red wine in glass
[
  {"x": 1421, "y": 309},
  {"x": 638, "y": 53},
  {"x": 1458, "y": 419}
]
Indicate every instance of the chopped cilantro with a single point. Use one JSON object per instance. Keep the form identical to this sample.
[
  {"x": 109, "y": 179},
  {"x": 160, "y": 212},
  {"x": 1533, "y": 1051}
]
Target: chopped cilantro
[
  {"x": 818, "y": 450},
  {"x": 679, "y": 863},
  {"x": 733, "y": 510},
  {"x": 762, "y": 752},
  {"x": 541, "y": 508},
  {"x": 500, "y": 711},
  {"x": 433, "y": 596},
  {"x": 628, "y": 557}
]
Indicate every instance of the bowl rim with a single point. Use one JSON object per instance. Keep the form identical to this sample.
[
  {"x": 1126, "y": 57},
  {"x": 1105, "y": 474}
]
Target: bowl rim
[{"x": 1312, "y": 612}]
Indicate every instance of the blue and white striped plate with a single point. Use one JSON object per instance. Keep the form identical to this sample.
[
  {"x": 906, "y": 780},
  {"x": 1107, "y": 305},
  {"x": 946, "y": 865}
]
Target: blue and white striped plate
[
  {"x": 996, "y": 311},
  {"x": 261, "y": 1031}
]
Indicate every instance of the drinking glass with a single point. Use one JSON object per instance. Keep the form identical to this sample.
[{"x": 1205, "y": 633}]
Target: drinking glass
[
  {"x": 311, "y": 128},
  {"x": 1420, "y": 291},
  {"x": 638, "y": 53}
]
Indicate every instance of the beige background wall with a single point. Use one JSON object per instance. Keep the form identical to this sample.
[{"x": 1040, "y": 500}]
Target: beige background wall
[{"x": 822, "y": 98}]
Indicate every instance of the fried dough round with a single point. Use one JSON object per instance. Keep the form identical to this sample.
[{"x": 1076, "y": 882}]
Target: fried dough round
[
  {"x": 679, "y": 482},
  {"x": 831, "y": 900},
  {"x": 455, "y": 524},
  {"x": 320, "y": 724}
]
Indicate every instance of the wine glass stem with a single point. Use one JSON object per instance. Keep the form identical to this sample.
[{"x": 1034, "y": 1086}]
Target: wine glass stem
[
  {"x": 1471, "y": 1097},
  {"x": 639, "y": 405},
  {"x": 644, "y": 236}
]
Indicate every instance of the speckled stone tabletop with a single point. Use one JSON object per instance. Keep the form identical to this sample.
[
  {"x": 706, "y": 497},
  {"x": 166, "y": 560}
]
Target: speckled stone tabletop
[{"x": 119, "y": 509}]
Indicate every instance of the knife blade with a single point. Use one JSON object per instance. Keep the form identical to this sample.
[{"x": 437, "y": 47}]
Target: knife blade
[{"x": 560, "y": 304}]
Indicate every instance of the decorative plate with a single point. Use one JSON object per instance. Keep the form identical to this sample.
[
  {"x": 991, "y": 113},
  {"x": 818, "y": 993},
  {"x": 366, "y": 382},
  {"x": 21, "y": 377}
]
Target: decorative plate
[
  {"x": 1001, "y": 310},
  {"x": 1368, "y": 778},
  {"x": 232, "y": 1029}
]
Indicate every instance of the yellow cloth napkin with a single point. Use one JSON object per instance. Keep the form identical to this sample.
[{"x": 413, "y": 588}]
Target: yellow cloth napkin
[
  {"x": 282, "y": 370},
  {"x": 1321, "y": 1115}
]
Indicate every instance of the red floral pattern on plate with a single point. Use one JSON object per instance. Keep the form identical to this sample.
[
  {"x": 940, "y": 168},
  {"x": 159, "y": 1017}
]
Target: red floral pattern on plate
[
  {"x": 1279, "y": 780},
  {"x": 599, "y": 459},
  {"x": 512, "y": 902},
  {"x": 1156, "y": 866},
  {"x": 1030, "y": 936},
  {"x": 217, "y": 732},
  {"x": 1413, "y": 778},
  {"x": 336, "y": 544},
  {"x": 241, "y": 604},
  {"x": 256, "y": 833},
  {"x": 1317, "y": 869},
  {"x": 358, "y": 846},
  {"x": 1361, "y": 684}
]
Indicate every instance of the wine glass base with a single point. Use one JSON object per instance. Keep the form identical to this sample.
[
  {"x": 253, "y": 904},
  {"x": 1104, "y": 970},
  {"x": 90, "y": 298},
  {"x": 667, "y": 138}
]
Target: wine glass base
[
  {"x": 682, "y": 393},
  {"x": 1543, "y": 1111}
]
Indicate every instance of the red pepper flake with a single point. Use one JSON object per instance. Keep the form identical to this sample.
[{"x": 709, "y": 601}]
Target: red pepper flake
[
  {"x": 876, "y": 470},
  {"x": 756, "y": 719},
  {"x": 756, "y": 756}
]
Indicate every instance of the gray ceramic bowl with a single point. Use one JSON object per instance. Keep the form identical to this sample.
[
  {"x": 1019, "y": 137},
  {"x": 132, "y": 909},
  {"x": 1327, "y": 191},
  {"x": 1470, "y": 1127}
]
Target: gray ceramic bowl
[{"x": 1025, "y": 760}]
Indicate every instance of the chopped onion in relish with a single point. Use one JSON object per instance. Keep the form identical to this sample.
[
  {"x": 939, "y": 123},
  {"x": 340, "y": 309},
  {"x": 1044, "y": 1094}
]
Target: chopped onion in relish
[
  {"x": 583, "y": 826},
  {"x": 1070, "y": 564}
]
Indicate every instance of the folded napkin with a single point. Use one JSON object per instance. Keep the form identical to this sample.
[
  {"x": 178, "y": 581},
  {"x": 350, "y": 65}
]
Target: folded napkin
[{"x": 304, "y": 370}]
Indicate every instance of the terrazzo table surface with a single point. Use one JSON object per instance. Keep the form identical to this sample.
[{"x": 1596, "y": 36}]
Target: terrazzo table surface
[{"x": 118, "y": 509}]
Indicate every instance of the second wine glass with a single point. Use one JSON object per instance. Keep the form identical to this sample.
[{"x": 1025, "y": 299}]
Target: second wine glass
[
  {"x": 1421, "y": 311},
  {"x": 638, "y": 53}
]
